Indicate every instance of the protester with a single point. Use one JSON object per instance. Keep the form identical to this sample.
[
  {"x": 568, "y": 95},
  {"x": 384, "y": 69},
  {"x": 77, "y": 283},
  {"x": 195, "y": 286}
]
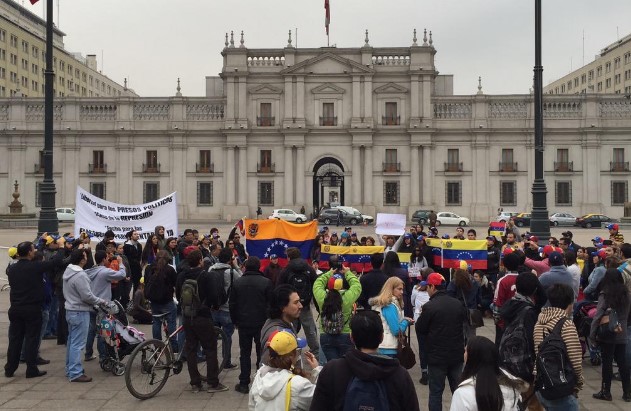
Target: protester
[
  {"x": 419, "y": 298},
  {"x": 392, "y": 267},
  {"x": 467, "y": 291},
  {"x": 273, "y": 269},
  {"x": 284, "y": 308},
  {"x": 389, "y": 305},
  {"x": 487, "y": 292},
  {"x": 373, "y": 281},
  {"x": 160, "y": 279},
  {"x": 141, "y": 310}
]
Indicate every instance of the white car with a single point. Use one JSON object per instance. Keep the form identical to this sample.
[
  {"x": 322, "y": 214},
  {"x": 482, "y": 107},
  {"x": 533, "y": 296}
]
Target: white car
[
  {"x": 447, "y": 218},
  {"x": 288, "y": 215},
  {"x": 504, "y": 216},
  {"x": 65, "y": 214},
  {"x": 562, "y": 219}
]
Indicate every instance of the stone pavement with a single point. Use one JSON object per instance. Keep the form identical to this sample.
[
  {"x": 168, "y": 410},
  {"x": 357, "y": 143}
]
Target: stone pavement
[{"x": 107, "y": 391}]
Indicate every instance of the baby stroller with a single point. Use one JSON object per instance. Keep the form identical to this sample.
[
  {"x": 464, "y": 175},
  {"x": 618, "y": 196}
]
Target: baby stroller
[
  {"x": 583, "y": 322},
  {"x": 120, "y": 339}
]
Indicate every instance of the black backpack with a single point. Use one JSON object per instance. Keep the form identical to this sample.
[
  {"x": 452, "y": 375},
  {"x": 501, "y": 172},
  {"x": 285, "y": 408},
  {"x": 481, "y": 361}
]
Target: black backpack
[
  {"x": 555, "y": 375},
  {"x": 364, "y": 395},
  {"x": 156, "y": 289},
  {"x": 516, "y": 350},
  {"x": 219, "y": 295},
  {"x": 301, "y": 281}
]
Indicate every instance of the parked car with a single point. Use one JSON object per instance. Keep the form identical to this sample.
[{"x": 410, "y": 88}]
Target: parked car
[
  {"x": 330, "y": 216},
  {"x": 65, "y": 214},
  {"x": 557, "y": 219},
  {"x": 288, "y": 215},
  {"x": 504, "y": 216},
  {"x": 593, "y": 220},
  {"x": 447, "y": 218},
  {"x": 421, "y": 216},
  {"x": 522, "y": 219},
  {"x": 351, "y": 210}
]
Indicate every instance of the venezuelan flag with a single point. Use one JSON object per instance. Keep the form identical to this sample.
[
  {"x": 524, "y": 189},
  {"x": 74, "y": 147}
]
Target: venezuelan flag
[
  {"x": 267, "y": 237},
  {"x": 404, "y": 259},
  {"x": 497, "y": 229},
  {"x": 352, "y": 254},
  {"x": 437, "y": 250},
  {"x": 472, "y": 251}
]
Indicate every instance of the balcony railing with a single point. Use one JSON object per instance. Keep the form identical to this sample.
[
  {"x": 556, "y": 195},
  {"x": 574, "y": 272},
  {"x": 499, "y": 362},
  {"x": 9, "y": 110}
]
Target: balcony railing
[
  {"x": 150, "y": 168},
  {"x": 508, "y": 167},
  {"x": 38, "y": 169},
  {"x": 453, "y": 167},
  {"x": 205, "y": 168},
  {"x": 265, "y": 168},
  {"x": 391, "y": 120},
  {"x": 328, "y": 121},
  {"x": 97, "y": 168},
  {"x": 265, "y": 121},
  {"x": 619, "y": 166},
  {"x": 391, "y": 167},
  {"x": 563, "y": 166}
]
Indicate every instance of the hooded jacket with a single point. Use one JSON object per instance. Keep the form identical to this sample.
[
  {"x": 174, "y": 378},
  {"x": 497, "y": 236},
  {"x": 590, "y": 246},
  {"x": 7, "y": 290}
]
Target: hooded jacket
[
  {"x": 464, "y": 396},
  {"x": 77, "y": 291},
  {"x": 271, "y": 325},
  {"x": 559, "y": 274},
  {"x": 101, "y": 279},
  {"x": 268, "y": 392},
  {"x": 230, "y": 274},
  {"x": 337, "y": 374},
  {"x": 348, "y": 296}
]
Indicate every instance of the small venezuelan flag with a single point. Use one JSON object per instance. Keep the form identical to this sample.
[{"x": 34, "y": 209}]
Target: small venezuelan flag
[
  {"x": 472, "y": 251},
  {"x": 498, "y": 229},
  {"x": 267, "y": 237}
]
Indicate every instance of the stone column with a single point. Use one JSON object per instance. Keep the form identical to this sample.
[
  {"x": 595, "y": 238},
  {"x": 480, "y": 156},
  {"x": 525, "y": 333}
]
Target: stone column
[
  {"x": 300, "y": 97},
  {"x": 289, "y": 97},
  {"x": 229, "y": 173},
  {"x": 300, "y": 177},
  {"x": 428, "y": 181},
  {"x": 415, "y": 187},
  {"x": 415, "y": 111},
  {"x": 368, "y": 180},
  {"x": 289, "y": 177},
  {"x": 243, "y": 177},
  {"x": 367, "y": 97},
  {"x": 230, "y": 98},
  {"x": 243, "y": 115},
  {"x": 356, "y": 177},
  {"x": 356, "y": 97}
]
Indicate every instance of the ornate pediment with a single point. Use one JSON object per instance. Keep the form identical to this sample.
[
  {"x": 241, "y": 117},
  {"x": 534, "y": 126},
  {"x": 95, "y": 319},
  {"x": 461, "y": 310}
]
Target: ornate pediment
[
  {"x": 327, "y": 63},
  {"x": 265, "y": 89},
  {"x": 390, "y": 88},
  {"x": 328, "y": 88}
]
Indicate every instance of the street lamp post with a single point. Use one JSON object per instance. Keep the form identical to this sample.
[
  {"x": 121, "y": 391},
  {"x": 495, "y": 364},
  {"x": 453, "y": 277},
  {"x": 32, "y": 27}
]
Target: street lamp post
[
  {"x": 48, "y": 216},
  {"x": 539, "y": 223}
]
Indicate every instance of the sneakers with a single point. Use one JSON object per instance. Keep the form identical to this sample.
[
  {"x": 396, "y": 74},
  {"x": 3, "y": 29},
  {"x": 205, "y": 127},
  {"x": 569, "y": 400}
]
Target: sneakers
[
  {"x": 243, "y": 389},
  {"x": 196, "y": 388},
  {"x": 423, "y": 379},
  {"x": 230, "y": 366},
  {"x": 90, "y": 357},
  {"x": 602, "y": 395},
  {"x": 217, "y": 388},
  {"x": 82, "y": 378}
]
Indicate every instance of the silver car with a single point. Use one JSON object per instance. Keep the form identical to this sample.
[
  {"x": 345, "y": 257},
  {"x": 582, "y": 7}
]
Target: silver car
[{"x": 557, "y": 219}]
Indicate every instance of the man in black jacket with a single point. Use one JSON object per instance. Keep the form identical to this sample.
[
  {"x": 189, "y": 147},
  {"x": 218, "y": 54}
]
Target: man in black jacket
[
  {"x": 249, "y": 298},
  {"x": 373, "y": 281},
  {"x": 492, "y": 259},
  {"x": 200, "y": 330},
  {"x": 441, "y": 323},
  {"x": 365, "y": 364}
]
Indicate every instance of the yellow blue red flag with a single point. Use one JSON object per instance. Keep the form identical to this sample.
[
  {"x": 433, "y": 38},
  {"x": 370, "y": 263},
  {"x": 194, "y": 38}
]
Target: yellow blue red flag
[
  {"x": 267, "y": 237},
  {"x": 472, "y": 251},
  {"x": 497, "y": 228},
  {"x": 352, "y": 254}
]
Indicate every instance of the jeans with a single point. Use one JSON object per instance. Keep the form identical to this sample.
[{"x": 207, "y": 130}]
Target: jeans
[
  {"x": 311, "y": 330},
  {"x": 246, "y": 335},
  {"x": 569, "y": 403},
  {"x": 51, "y": 324},
  {"x": 24, "y": 329},
  {"x": 436, "y": 378},
  {"x": 78, "y": 326},
  {"x": 100, "y": 343},
  {"x": 335, "y": 346},
  {"x": 222, "y": 319},
  {"x": 609, "y": 352},
  {"x": 156, "y": 329},
  {"x": 200, "y": 330}
]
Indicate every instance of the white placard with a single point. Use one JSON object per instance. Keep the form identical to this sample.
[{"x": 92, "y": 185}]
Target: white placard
[
  {"x": 95, "y": 216},
  {"x": 391, "y": 224}
]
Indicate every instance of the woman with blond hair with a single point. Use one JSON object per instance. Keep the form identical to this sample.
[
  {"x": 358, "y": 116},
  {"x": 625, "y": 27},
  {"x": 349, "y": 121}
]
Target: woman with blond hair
[{"x": 389, "y": 304}]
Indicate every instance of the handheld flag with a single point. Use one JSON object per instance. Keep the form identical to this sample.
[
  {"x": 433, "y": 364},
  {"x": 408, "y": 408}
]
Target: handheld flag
[
  {"x": 353, "y": 254},
  {"x": 267, "y": 237},
  {"x": 497, "y": 229},
  {"x": 472, "y": 251}
]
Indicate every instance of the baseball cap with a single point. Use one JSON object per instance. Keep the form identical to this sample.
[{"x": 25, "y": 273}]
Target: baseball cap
[
  {"x": 600, "y": 253},
  {"x": 407, "y": 235},
  {"x": 613, "y": 227},
  {"x": 353, "y": 234},
  {"x": 491, "y": 237},
  {"x": 273, "y": 256},
  {"x": 283, "y": 342},
  {"x": 433, "y": 229},
  {"x": 507, "y": 251},
  {"x": 433, "y": 279},
  {"x": 348, "y": 228},
  {"x": 548, "y": 249},
  {"x": 336, "y": 282},
  {"x": 188, "y": 250},
  {"x": 555, "y": 258},
  {"x": 463, "y": 265},
  {"x": 567, "y": 234},
  {"x": 13, "y": 252},
  {"x": 344, "y": 234},
  {"x": 445, "y": 236},
  {"x": 334, "y": 234},
  {"x": 419, "y": 238},
  {"x": 597, "y": 240},
  {"x": 534, "y": 239},
  {"x": 49, "y": 240}
]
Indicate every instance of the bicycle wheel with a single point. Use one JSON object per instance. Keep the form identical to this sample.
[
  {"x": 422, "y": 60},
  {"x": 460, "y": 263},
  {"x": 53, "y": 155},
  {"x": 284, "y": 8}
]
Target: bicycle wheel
[{"x": 148, "y": 369}]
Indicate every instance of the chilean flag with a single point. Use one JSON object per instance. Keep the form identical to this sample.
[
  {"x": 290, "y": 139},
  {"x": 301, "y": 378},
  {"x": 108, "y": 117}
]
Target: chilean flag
[
  {"x": 327, "y": 18},
  {"x": 34, "y": 1}
]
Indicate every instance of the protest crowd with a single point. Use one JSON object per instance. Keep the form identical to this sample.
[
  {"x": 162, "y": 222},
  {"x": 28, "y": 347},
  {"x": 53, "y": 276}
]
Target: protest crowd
[{"x": 556, "y": 306}]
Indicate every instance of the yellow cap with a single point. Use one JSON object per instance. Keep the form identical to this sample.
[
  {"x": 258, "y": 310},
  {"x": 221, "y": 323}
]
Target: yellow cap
[
  {"x": 142, "y": 280},
  {"x": 13, "y": 252}
]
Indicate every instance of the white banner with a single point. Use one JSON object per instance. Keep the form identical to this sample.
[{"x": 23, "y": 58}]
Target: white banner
[
  {"x": 390, "y": 224},
  {"x": 95, "y": 216}
]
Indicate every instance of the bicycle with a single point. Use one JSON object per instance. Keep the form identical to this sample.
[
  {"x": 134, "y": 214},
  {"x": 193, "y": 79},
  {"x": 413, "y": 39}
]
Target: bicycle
[{"x": 151, "y": 363}]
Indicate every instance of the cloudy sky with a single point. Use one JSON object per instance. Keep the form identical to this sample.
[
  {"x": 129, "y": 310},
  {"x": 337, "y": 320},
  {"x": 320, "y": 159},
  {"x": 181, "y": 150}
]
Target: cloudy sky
[{"x": 153, "y": 42}]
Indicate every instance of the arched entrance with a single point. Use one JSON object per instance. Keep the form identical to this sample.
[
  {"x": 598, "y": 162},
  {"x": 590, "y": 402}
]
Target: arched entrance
[{"x": 328, "y": 183}]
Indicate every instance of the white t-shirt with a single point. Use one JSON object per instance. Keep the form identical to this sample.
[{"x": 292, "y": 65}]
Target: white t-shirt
[{"x": 418, "y": 299}]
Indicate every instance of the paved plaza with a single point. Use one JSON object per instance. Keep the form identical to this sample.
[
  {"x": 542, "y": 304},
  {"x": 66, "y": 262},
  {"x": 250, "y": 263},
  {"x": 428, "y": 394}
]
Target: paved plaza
[{"x": 107, "y": 391}]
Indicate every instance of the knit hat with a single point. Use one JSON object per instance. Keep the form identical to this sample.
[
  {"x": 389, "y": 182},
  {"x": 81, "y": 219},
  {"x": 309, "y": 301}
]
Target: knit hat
[
  {"x": 344, "y": 234},
  {"x": 188, "y": 250},
  {"x": 336, "y": 282},
  {"x": 283, "y": 342},
  {"x": 613, "y": 227},
  {"x": 534, "y": 239},
  {"x": 463, "y": 265}
]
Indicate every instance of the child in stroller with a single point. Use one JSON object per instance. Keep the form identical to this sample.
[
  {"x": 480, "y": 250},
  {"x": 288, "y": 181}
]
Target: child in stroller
[
  {"x": 584, "y": 314},
  {"x": 120, "y": 339}
]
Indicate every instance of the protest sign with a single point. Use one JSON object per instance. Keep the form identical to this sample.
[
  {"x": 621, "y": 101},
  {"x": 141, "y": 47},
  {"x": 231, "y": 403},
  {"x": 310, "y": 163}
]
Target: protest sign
[
  {"x": 95, "y": 216},
  {"x": 390, "y": 224}
]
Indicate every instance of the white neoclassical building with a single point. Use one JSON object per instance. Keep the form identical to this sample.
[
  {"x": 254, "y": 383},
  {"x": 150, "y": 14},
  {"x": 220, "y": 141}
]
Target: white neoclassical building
[{"x": 373, "y": 128}]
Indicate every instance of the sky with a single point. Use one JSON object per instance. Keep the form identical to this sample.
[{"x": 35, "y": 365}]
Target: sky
[{"x": 153, "y": 42}]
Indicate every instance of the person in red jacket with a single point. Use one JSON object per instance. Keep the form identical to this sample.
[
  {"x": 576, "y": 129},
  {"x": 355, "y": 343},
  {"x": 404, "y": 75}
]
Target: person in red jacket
[{"x": 504, "y": 291}]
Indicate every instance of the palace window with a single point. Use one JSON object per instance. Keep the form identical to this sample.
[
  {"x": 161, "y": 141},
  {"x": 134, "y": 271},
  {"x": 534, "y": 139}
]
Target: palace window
[{"x": 204, "y": 193}]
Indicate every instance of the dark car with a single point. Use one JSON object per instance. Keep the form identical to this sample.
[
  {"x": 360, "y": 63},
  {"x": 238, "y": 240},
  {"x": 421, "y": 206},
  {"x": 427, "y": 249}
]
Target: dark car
[
  {"x": 421, "y": 216},
  {"x": 330, "y": 216},
  {"x": 522, "y": 219},
  {"x": 592, "y": 220}
]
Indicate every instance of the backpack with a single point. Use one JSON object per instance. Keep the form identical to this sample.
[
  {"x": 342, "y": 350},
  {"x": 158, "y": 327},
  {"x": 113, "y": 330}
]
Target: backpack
[
  {"x": 516, "y": 351},
  {"x": 301, "y": 281},
  {"x": 189, "y": 298},
  {"x": 364, "y": 395},
  {"x": 333, "y": 324},
  {"x": 555, "y": 375},
  {"x": 156, "y": 289},
  {"x": 219, "y": 295}
]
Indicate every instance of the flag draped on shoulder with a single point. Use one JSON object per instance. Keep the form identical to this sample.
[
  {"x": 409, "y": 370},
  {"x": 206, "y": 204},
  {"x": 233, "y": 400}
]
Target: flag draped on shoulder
[
  {"x": 327, "y": 15},
  {"x": 267, "y": 237},
  {"x": 497, "y": 229}
]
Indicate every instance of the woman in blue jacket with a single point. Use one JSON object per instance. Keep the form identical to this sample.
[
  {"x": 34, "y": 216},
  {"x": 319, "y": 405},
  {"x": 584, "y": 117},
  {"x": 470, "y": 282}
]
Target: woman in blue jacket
[{"x": 389, "y": 304}]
